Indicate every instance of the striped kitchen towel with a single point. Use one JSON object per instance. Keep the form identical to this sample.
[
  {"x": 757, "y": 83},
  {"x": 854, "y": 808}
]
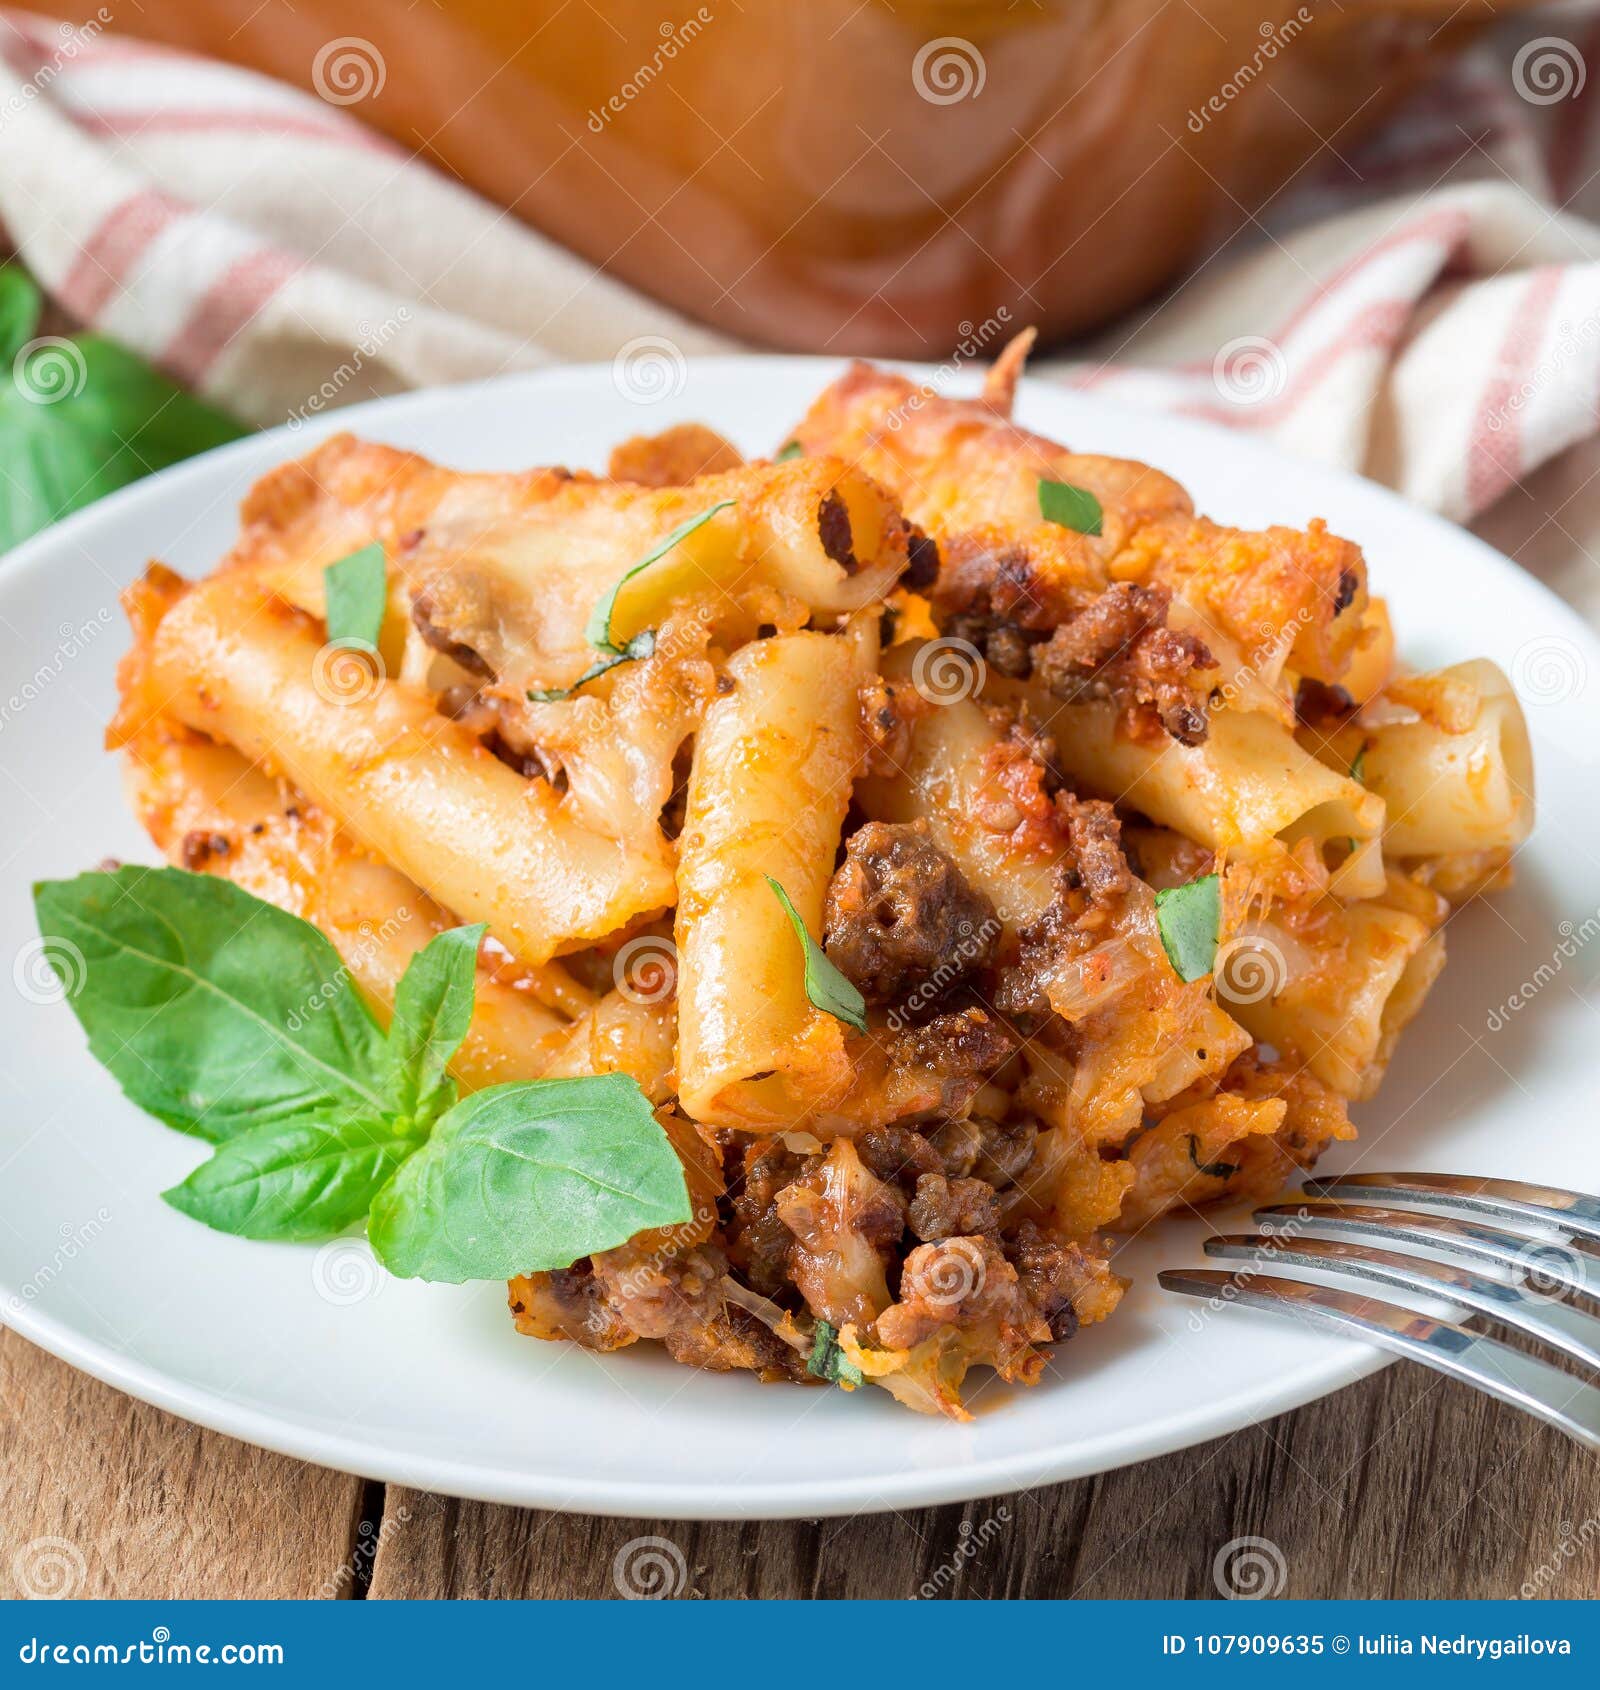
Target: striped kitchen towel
[{"x": 1424, "y": 308}]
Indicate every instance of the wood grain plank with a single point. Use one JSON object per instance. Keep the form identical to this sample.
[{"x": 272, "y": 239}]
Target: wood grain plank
[
  {"x": 104, "y": 1496},
  {"x": 1404, "y": 1485}
]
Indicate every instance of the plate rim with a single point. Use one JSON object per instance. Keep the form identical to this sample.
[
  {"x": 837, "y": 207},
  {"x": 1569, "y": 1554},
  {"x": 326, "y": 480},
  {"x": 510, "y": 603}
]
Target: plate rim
[
  {"x": 621, "y": 1499},
  {"x": 954, "y": 1481}
]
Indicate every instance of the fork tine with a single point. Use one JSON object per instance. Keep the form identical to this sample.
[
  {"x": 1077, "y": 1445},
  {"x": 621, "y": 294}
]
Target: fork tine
[
  {"x": 1567, "y": 1329},
  {"x": 1486, "y": 1363},
  {"x": 1573, "y": 1265},
  {"x": 1509, "y": 1199}
]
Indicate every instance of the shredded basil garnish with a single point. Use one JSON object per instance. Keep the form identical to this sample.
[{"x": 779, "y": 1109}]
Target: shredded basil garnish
[
  {"x": 1069, "y": 507},
  {"x": 356, "y": 589},
  {"x": 828, "y": 1361},
  {"x": 826, "y": 987},
  {"x": 1189, "y": 919}
]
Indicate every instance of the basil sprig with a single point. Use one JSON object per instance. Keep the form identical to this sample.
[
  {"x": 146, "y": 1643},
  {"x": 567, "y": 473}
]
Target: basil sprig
[
  {"x": 1189, "y": 920},
  {"x": 237, "y": 1022},
  {"x": 1069, "y": 507},
  {"x": 356, "y": 589},
  {"x": 826, "y": 988},
  {"x": 81, "y": 417}
]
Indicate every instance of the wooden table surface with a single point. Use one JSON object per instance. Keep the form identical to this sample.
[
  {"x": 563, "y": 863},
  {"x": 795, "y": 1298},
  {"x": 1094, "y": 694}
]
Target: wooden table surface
[{"x": 1405, "y": 1485}]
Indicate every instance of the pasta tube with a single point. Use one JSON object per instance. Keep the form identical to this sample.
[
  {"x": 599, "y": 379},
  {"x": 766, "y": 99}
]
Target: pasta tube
[
  {"x": 768, "y": 791},
  {"x": 1461, "y": 783},
  {"x": 408, "y": 784},
  {"x": 207, "y": 808}
]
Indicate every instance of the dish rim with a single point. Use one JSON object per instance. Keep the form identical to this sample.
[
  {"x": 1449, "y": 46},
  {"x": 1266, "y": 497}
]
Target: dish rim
[{"x": 1344, "y": 1364}]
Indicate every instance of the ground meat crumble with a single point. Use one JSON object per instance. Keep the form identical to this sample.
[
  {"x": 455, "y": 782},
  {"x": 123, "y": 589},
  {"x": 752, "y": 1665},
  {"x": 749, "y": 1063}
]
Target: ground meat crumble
[
  {"x": 1119, "y": 649},
  {"x": 900, "y": 915}
]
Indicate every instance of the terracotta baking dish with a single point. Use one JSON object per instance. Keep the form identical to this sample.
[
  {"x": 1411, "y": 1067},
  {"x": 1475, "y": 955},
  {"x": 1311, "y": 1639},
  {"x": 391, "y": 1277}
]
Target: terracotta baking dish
[{"x": 854, "y": 175}]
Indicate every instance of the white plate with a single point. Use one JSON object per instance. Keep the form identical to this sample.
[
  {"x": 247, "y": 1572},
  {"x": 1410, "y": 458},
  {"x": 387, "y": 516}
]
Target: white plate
[{"x": 318, "y": 1354}]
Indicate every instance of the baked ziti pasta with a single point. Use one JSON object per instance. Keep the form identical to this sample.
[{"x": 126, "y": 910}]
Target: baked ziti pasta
[{"x": 966, "y": 851}]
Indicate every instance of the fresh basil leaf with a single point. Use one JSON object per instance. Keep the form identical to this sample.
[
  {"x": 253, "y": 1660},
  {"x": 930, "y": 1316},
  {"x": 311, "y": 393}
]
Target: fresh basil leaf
[
  {"x": 432, "y": 1008},
  {"x": 82, "y": 417},
  {"x": 643, "y": 644},
  {"x": 356, "y": 590},
  {"x": 789, "y": 449},
  {"x": 527, "y": 1177},
  {"x": 598, "y": 630},
  {"x": 1189, "y": 919},
  {"x": 1069, "y": 507},
  {"x": 306, "y": 1178},
  {"x": 826, "y": 987},
  {"x": 828, "y": 1361},
  {"x": 20, "y": 305},
  {"x": 1216, "y": 1170},
  {"x": 212, "y": 1010}
]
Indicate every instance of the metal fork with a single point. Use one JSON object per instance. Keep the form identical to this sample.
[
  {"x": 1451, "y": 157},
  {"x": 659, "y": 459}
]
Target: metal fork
[{"x": 1545, "y": 1252}]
